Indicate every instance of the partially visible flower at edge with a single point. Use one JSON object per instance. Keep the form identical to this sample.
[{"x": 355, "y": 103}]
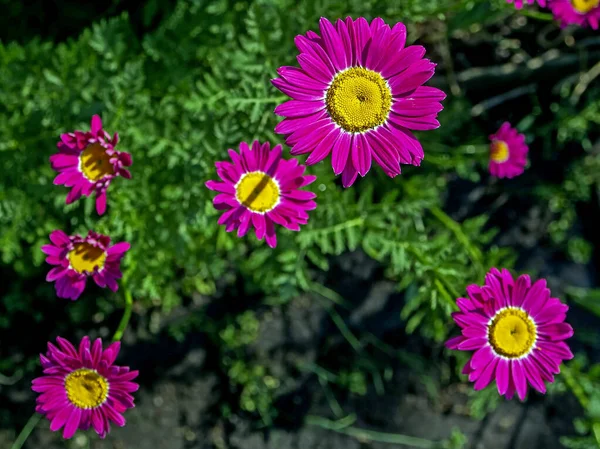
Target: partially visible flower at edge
[
  {"x": 261, "y": 189},
  {"x": 517, "y": 331},
  {"x": 88, "y": 162},
  {"x": 83, "y": 388},
  {"x": 519, "y": 3},
  {"x": 76, "y": 258},
  {"x": 508, "y": 152},
  {"x": 577, "y": 12}
]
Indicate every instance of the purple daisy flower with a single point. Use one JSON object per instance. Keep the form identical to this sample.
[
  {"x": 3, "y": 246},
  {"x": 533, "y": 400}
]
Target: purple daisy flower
[
  {"x": 261, "y": 189},
  {"x": 578, "y": 12},
  {"x": 77, "y": 258},
  {"x": 82, "y": 388},
  {"x": 508, "y": 152},
  {"x": 519, "y": 3},
  {"x": 88, "y": 162},
  {"x": 358, "y": 94},
  {"x": 516, "y": 330}
]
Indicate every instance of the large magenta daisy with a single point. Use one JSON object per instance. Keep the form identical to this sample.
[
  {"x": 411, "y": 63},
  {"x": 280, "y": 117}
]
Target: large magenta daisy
[
  {"x": 508, "y": 152},
  {"x": 357, "y": 95},
  {"x": 578, "y": 12},
  {"x": 519, "y": 3},
  {"x": 82, "y": 388},
  {"x": 77, "y": 258},
  {"x": 516, "y": 330},
  {"x": 88, "y": 162},
  {"x": 261, "y": 189}
]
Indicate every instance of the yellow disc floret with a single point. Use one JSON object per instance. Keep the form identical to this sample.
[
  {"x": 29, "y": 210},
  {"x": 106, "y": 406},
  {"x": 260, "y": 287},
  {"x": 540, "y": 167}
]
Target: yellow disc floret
[
  {"x": 499, "y": 151},
  {"x": 585, "y": 6},
  {"x": 257, "y": 191},
  {"x": 85, "y": 257},
  {"x": 358, "y": 100},
  {"x": 95, "y": 163},
  {"x": 86, "y": 388},
  {"x": 512, "y": 333}
]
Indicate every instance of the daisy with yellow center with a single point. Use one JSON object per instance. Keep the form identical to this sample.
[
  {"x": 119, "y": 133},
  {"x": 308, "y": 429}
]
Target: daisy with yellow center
[
  {"x": 508, "y": 152},
  {"x": 87, "y": 162},
  {"x": 260, "y": 189},
  {"x": 358, "y": 95},
  {"x": 82, "y": 388},
  {"x": 516, "y": 330},
  {"x": 76, "y": 258}
]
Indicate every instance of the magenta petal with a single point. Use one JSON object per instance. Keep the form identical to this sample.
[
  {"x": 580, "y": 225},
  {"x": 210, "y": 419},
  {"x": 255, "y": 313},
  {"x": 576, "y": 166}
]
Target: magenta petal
[
  {"x": 487, "y": 375},
  {"x": 341, "y": 151},
  {"x": 472, "y": 343},
  {"x": 349, "y": 174},
  {"x": 270, "y": 236},
  {"x": 259, "y": 225},
  {"x": 59, "y": 238},
  {"x": 55, "y": 273},
  {"x": 323, "y": 148},
  {"x": 99, "y": 279},
  {"x": 361, "y": 154},
  {"x": 101, "y": 203},
  {"x": 519, "y": 379},
  {"x": 61, "y": 418},
  {"x": 297, "y": 77},
  {"x": 481, "y": 358},
  {"x": 556, "y": 331},
  {"x": 96, "y": 124},
  {"x": 454, "y": 342},
  {"x": 118, "y": 249},
  {"x": 296, "y": 108},
  {"x": 333, "y": 44},
  {"x": 72, "y": 423}
]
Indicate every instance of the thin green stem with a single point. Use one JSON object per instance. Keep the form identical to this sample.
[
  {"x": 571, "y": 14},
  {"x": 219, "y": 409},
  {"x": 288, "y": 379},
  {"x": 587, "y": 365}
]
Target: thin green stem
[
  {"x": 370, "y": 435},
  {"x": 126, "y": 315},
  {"x": 33, "y": 421},
  {"x": 537, "y": 15}
]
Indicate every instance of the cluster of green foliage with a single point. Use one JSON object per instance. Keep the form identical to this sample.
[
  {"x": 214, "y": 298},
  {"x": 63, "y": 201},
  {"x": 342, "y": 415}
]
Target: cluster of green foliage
[{"x": 198, "y": 84}]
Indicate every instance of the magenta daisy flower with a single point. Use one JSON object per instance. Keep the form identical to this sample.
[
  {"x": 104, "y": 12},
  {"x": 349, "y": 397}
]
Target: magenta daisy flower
[
  {"x": 82, "y": 388},
  {"x": 519, "y": 3},
  {"x": 76, "y": 258},
  {"x": 261, "y": 189},
  {"x": 87, "y": 162},
  {"x": 578, "y": 12},
  {"x": 358, "y": 94},
  {"x": 508, "y": 152},
  {"x": 516, "y": 330}
]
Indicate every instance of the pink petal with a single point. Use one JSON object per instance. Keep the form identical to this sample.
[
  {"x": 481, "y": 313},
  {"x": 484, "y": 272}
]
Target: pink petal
[
  {"x": 72, "y": 423},
  {"x": 101, "y": 203},
  {"x": 96, "y": 124}
]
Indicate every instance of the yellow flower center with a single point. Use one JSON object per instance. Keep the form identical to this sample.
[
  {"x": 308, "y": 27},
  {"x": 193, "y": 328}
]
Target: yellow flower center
[
  {"x": 512, "y": 333},
  {"x": 584, "y": 6},
  {"x": 85, "y": 257},
  {"x": 86, "y": 388},
  {"x": 257, "y": 191},
  {"x": 358, "y": 100},
  {"x": 499, "y": 151},
  {"x": 95, "y": 163}
]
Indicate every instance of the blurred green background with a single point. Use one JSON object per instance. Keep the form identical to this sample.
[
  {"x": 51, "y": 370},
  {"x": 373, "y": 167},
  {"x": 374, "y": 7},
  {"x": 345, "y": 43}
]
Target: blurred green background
[{"x": 335, "y": 338}]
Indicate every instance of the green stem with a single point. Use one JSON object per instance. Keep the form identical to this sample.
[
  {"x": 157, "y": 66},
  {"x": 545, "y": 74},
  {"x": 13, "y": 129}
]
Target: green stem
[
  {"x": 126, "y": 315},
  {"x": 33, "y": 421},
  {"x": 537, "y": 15},
  {"x": 370, "y": 435}
]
